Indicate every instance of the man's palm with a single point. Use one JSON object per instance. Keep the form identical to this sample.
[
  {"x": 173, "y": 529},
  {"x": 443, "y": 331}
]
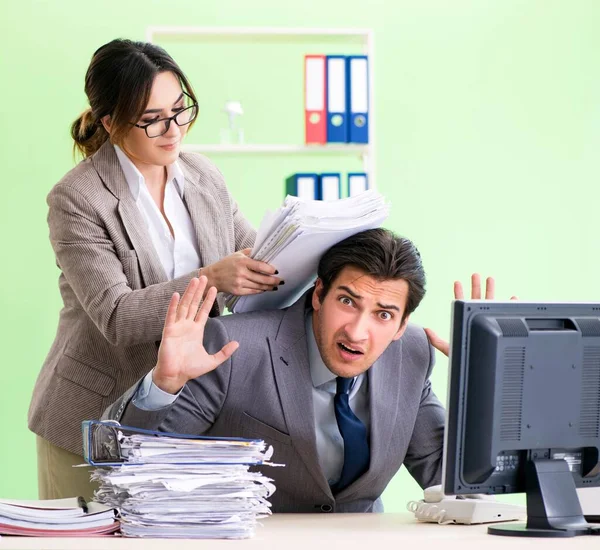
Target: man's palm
[{"x": 181, "y": 356}]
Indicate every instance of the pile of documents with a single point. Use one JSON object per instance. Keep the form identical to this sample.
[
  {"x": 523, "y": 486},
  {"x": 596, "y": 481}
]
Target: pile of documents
[
  {"x": 294, "y": 238},
  {"x": 186, "y": 487},
  {"x": 67, "y": 517}
]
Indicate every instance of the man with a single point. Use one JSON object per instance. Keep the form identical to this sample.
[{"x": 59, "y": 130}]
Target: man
[{"x": 338, "y": 382}]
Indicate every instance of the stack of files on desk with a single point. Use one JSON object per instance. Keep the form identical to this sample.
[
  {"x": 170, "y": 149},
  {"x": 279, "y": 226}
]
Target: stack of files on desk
[
  {"x": 186, "y": 501},
  {"x": 294, "y": 238},
  {"x": 186, "y": 487},
  {"x": 56, "y": 518}
]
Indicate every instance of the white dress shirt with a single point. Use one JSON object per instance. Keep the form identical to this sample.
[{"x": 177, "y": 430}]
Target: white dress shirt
[
  {"x": 178, "y": 253},
  {"x": 330, "y": 445}
]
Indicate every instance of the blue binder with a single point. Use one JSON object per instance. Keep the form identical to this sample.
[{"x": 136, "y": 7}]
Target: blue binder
[
  {"x": 303, "y": 185},
  {"x": 330, "y": 186},
  {"x": 357, "y": 183},
  {"x": 357, "y": 97},
  {"x": 337, "y": 118}
]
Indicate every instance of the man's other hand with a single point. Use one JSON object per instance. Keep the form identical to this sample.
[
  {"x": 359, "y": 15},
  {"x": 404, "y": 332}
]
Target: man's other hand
[{"x": 489, "y": 294}]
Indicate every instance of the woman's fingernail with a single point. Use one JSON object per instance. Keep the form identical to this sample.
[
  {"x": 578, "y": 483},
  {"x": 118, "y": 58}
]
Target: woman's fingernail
[
  {"x": 281, "y": 282},
  {"x": 274, "y": 288},
  {"x": 276, "y": 272}
]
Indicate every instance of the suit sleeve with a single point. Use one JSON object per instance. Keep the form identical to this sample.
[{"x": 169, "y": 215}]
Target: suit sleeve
[
  {"x": 424, "y": 456},
  {"x": 198, "y": 405},
  {"x": 88, "y": 259}
]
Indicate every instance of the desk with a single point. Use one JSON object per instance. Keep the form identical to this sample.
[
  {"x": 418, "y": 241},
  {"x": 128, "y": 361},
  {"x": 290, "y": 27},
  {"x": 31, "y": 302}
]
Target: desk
[{"x": 317, "y": 531}]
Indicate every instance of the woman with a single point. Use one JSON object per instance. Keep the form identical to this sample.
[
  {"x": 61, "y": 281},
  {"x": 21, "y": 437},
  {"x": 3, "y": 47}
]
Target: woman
[{"x": 130, "y": 225}]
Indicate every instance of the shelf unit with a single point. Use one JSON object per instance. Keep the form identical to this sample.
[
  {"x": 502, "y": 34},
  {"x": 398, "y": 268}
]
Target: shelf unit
[{"x": 365, "y": 36}]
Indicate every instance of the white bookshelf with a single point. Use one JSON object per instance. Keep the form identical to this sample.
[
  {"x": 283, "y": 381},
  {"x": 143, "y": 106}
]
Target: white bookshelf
[
  {"x": 364, "y": 36},
  {"x": 282, "y": 149},
  {"x": 154, "y": 31}
]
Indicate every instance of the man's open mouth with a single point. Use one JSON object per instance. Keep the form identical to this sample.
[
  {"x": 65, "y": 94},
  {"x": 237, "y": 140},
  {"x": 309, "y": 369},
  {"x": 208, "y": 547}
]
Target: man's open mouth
[{"x": 343, "y": 347}]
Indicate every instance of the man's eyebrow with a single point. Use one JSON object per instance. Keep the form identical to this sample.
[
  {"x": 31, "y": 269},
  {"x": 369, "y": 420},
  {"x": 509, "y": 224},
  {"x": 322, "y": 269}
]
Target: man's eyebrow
[
  {"x": 148, "y": 111},
  {"x": 352, "y": 293},
  {"x": 383, "y": 306},
  {"x": 358, "y": 297}
]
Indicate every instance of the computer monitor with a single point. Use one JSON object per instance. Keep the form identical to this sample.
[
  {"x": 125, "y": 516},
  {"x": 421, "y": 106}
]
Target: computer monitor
[{"x": 523, "y": 410}]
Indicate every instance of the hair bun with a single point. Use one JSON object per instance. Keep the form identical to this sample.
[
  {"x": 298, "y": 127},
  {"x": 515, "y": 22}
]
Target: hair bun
[{"x": 87, "y": 133}]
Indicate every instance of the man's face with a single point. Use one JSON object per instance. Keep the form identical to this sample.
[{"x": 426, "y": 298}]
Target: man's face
[{"x": 357, "y": 320}]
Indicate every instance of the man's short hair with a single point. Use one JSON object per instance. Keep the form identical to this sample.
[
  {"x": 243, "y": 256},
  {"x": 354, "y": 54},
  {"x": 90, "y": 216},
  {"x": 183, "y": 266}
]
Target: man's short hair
[{"x": 380, "y": 254}]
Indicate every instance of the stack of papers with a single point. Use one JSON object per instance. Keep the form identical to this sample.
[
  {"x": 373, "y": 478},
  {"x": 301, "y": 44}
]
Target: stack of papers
[
  {"x": 294, "y": 238},
  {"x": 56, "y": 518},
  {"x": 145, "y": 449},
  {"x": 173, "y": 487}
]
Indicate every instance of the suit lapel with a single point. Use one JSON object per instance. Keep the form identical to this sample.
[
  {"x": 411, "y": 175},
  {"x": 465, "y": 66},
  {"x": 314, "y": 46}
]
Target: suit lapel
[
  {"x": 289, "y": 356},
  {"x": 150, "y": 266},
  {"x": 205, "y": 214},
  {"x": 109, "y": 169},
  {"x": 384, "y": 399}
]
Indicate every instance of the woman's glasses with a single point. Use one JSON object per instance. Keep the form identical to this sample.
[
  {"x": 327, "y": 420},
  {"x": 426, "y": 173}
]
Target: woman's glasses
[{"x": 161, "y": 126}]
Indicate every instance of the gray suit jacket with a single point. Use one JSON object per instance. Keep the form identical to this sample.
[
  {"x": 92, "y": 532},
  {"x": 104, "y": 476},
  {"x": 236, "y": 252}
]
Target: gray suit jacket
[
  {"x": 114, "y": 288},
  {"x": 264, "y": 391}
]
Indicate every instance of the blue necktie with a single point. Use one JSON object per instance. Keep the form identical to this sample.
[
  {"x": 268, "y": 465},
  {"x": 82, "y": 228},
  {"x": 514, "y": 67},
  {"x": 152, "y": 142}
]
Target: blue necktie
[{"x": 354, "y": 434}]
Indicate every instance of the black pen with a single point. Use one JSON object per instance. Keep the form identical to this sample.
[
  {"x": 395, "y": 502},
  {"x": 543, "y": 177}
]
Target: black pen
[{"x": 82, "y": 504}]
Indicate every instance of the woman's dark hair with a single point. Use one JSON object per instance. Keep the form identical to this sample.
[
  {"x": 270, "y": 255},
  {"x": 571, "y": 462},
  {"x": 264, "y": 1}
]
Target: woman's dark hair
[
  {"x": 380, "y": 254},
  {"x": 118, "y": 83}
]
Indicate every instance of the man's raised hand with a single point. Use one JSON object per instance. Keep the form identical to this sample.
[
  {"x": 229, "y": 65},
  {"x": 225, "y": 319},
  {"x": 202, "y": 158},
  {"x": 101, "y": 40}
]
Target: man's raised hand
[{"x": 181, "y": 356}]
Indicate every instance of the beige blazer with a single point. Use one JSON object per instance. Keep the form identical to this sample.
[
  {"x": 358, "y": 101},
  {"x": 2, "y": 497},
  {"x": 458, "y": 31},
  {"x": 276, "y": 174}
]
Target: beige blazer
[{"x": 114, "y": 288}]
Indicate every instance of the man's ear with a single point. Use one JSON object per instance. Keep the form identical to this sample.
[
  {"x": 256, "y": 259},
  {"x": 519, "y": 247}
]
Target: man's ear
[
  {"x": 106, "y": 123},
  {"x": 401, "y": 329},
  {"x": 317, "y": 294}
]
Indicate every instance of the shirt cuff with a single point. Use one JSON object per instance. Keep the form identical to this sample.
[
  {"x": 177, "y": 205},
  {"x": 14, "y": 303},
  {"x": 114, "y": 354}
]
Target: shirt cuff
[{"x": 149, "y": 397}]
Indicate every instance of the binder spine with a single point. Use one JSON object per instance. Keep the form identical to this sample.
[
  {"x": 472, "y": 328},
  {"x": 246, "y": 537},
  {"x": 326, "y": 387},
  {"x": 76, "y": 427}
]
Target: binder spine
[
  {"x": 337, "y": 109},
  {"x": 330, "y": 186},
  {"x": 357, "y": 97},
  {"x": 358, "y": 182},
  {"x": 302, "y": 185},
  {"x": 291, "y": 187},
  {"x": 315, "y": 121}
]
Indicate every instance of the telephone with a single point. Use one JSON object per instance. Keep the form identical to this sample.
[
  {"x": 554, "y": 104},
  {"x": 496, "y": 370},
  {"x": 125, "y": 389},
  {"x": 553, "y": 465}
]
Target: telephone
[{"x": 436, "y": 507}]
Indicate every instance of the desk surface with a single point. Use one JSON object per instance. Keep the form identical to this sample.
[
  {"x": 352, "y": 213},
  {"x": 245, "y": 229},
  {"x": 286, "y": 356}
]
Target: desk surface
[{"x": 316, "y": 531}]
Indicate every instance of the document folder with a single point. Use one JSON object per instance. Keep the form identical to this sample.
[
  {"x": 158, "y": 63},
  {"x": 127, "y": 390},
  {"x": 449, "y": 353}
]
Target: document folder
[
  {"x": 358, "y": 98},
  {"x": 337, "y": 127},
  {"x": 315, "y": 119},
  {"x": 103, "y": 443},
  {"x": 357, "y": 183},
  {"x": 304, "y": 186},
  {"x": 330, "y": 187}
]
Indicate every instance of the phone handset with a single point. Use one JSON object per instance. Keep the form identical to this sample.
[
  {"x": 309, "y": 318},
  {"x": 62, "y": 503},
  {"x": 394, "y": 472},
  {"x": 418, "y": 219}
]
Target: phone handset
[
  {"x": 466, "y": 509},
  {"x": 431, "y": 508}
]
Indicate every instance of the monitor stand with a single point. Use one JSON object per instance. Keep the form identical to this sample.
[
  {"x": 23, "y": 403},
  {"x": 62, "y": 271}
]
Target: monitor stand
[{"x": 553, "y": 508}]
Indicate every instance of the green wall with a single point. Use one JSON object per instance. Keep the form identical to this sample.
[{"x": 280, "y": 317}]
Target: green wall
[{"x": 488, "y": 127}]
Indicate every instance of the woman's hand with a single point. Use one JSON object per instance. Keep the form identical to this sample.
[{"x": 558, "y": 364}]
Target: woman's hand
[
  {"x": 181, "y": 356},
  {"x": 490, "y": 289},
  {"x": 238, "y": 274}
]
